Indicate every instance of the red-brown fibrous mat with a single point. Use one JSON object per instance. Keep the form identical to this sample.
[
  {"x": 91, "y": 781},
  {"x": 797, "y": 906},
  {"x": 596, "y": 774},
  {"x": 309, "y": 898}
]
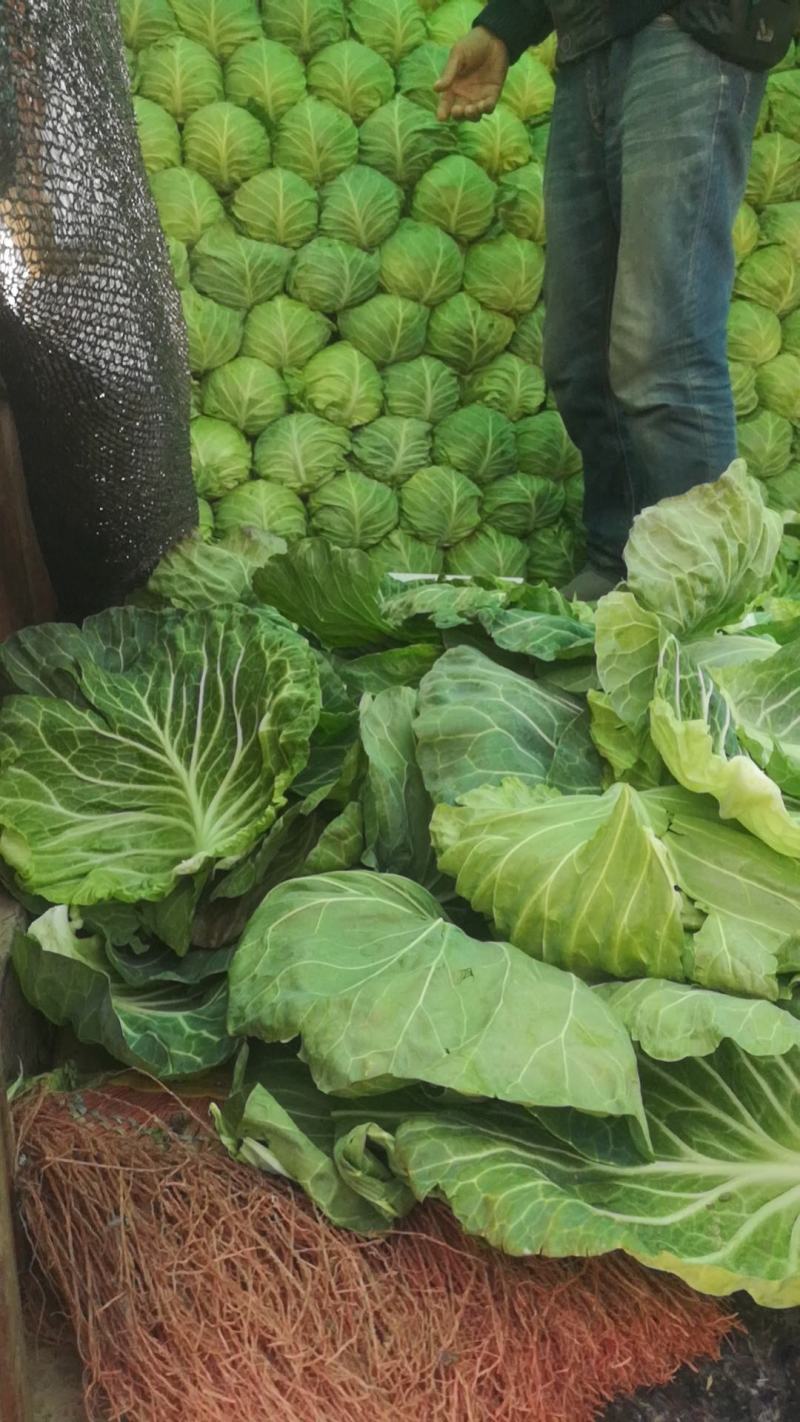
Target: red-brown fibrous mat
[{"x": 198, "y": 1290}]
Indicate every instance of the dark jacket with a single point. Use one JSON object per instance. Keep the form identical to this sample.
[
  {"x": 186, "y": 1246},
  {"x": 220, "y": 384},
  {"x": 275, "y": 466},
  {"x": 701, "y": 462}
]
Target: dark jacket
[{"x": 755, "y": 33}]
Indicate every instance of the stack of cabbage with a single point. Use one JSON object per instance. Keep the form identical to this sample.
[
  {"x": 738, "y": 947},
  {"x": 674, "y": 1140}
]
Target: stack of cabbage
[
  {"x": 362, "y": 284},
  {"x": 764, "y": 326}
]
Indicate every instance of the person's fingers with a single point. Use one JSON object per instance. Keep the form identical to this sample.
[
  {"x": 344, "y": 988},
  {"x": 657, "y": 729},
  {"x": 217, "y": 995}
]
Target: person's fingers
[
  {"x": 470, "y": 110},
  {"x": 451, "y": 70},
  {"x": 446, "y": 103}
]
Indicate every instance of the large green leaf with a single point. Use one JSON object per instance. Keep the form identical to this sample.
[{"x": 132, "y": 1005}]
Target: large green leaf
[
  {"x": 178, "y": 760},
  {"x": 171, "y": 920},
  {"x": 728, "y": 954},
  {"x": 148, "y": 926},
  {"x": 364, "y": 1158},
  {"x": 581, "y": 881},
  {"x": 479, "y": 723},
  {"x": 719, "y": 1205},
  {"x": 304, "y": 840},
  {"x": 750, "y": 940},
  {"x": 424, "y": 606},
  {"x": 765, "y": 703},
  {"x": 196, "y": 574},
  {"x": 282, "y": 850},
  {"x": 575, "y": 678},
  {"x": 340, "y": 845},
  {"x": 628, "y": 641},
  {"x": 383, "y": 992},
  {"x": 699, "y": 559},
  {"x": 725, "y": 649},
  {"x": 671, "y": 1022},
  {"x": 334, "y": 758},
  {"x": 631, "y": 755},
  {"x": 334, "y": 593},
  {"x": 570, "y": 880},
  {"x": 334, "y": 762},
  {"x": 531, "y": 621},
  {"x": 159, "y": 965},
  {"x": 277, "y": 1121},
  {"x": 45, "y": 660},
  {"x": 771, "y": 617},
  {"x": 535, "y": 634},
  {"x": 164, "y": 923},
  {"x": 537, "y": 621},
  {"x": 692, "y": 727},
  {"x": 398, "y": 666},
  {"x": 397, "y": 807},
  {"x": 167, "y": 1029}
]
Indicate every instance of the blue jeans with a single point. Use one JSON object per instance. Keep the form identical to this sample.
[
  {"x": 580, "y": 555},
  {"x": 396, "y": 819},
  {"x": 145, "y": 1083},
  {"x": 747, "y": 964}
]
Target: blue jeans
[{"x": 646, "y": 169}]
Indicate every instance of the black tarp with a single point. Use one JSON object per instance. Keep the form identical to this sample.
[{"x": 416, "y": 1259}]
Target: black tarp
[{"x": 92, "y": 343}]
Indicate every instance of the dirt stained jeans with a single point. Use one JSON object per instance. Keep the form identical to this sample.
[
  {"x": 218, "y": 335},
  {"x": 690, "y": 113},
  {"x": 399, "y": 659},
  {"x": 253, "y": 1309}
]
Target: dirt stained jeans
[{"x": 646, "y": 168}]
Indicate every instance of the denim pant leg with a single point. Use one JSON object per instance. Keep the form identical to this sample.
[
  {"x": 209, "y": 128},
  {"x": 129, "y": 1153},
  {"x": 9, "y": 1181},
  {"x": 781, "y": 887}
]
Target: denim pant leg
[
  {"x": 582, "y": 241},
  {"x": 680, "y": 124}
]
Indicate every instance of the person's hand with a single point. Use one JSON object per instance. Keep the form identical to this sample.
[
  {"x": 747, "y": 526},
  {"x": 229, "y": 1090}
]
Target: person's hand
[{"x": 473, "y": 77}]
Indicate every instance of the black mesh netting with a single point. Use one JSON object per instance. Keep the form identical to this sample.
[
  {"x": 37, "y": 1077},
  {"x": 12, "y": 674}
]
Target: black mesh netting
[{"x": 92, "y": 347}]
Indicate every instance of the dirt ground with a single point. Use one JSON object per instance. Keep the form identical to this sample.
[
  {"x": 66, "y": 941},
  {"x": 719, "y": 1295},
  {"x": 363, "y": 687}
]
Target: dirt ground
[
  {"x": 56, "y": 1386},
  {"x": 757, "y": 1380}
]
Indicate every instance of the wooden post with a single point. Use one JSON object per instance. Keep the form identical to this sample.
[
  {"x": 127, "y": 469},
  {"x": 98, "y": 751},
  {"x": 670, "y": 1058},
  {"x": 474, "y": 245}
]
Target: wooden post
[
  {"x": 25, "y": 592},
  {"x": 15, "y": 1403},
  {"x": 25, "y": 596}
]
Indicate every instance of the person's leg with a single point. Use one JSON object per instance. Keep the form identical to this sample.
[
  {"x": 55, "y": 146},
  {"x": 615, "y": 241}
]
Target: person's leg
[
  {"x": 582, "y": 238},
  {"x": 680, "y": 130}
]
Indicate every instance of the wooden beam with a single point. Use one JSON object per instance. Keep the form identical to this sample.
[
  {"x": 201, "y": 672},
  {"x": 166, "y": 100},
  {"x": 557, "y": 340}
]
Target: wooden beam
[
  {"x": 26, "y": 1038},
  {"x": 14, "y": 1398},
  {"x": 25, "y": 596},
  {"x": 15, "y": 1404},
  {"x": 25, "y": 592}
]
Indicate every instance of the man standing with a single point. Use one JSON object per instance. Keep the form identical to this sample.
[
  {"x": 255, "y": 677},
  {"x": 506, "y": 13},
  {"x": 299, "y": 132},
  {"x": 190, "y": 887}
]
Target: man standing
[{"x": 652, "y": 127}]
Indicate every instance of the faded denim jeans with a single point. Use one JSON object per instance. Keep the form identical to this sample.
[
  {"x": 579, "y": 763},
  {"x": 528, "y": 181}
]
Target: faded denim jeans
[{"x": 647, "y": 165}]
